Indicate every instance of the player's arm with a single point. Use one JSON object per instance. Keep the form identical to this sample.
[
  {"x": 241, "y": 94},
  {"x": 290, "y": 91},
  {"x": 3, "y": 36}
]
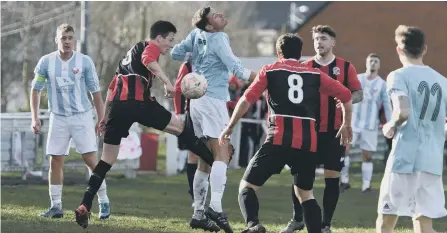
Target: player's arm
[
  {"x": 233, "y": 64},
  {"x": 331, "y": 87},
  {"x": 354, "y": 85},
  {"x": 250, "y": 96},
  {"x": 398, "y": 92},
  {"x": 181, "y": 50},
  {"x": 38, "y": 83},
  {"x": 92, "y": 83},
  {"x": 149, "y": 60},
  {"x": 109, "y": 93},
  {"x": 386, "y": 103},
  {"x": 178, "y": 90}
]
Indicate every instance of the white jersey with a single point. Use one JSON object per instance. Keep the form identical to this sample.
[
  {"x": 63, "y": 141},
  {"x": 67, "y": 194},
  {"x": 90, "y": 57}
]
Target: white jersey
[
  {"x": 365, "y": 115},
  {"x": 67, "y": 82}
]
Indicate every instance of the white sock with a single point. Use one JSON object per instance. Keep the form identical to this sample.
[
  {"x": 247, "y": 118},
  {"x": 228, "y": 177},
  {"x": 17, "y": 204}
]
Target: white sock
[
  {"x": 56, "y": 195},
  {"x": 367, "y": 170},
  {"x": 102, "y": 193},
  {"x": 200, "y": 189},
  {"x": 345, "y": 171},
  {"x": 218, "y": 179}
]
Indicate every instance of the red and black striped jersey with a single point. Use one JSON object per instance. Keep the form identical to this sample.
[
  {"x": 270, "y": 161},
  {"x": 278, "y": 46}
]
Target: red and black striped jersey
[
  {"x": 181, "y": 104},
  {"x": 293, "y": 98},
  {"x": 133, "y": 80},
  {"x": 331, "y": 117}
]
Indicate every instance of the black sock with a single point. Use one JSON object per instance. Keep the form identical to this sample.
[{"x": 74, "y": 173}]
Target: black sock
[
  {"x": 312, "y": 216},
  {"x": 330, "y": 199},
  {"x": 249, "y": 204},
  {"x": 297, "y": 208},
  {"x": 195, "y": 145},
  {"x": 190, "y": 172},
  {"x": 95, "y": 181}
]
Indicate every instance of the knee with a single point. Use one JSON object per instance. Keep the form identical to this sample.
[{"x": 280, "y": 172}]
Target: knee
[
  {"x": 331, "y": 173},
  {"x": 245, "y": 187},
  {"x": 90, "y": 160},
  {"x": 204, "y": 167},
  {"x": 303, "y": 195},
  {"x": 57, "y": 162}
]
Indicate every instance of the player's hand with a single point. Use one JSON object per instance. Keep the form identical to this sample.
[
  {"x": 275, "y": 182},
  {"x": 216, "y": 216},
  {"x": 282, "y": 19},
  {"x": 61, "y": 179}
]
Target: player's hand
[
  {"x": 345, "y": 134},
  {"x": 170, "y": 90},
  {"x": 225, "y": 135},
  {"x": 101, "y": 127},
  {"x": 388, "y": 130},
  {"x": 338, "y": 102},
  {"x": 36, "y": 126}
]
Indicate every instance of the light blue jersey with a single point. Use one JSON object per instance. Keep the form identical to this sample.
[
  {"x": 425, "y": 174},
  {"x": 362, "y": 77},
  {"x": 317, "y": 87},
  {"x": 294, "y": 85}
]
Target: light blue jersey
[
  {"x": 213, "y": 58},
  {"x": 365, "y": 115},
  {"x": 418, "y": 144},
  {"x": 67, "y": 82}
]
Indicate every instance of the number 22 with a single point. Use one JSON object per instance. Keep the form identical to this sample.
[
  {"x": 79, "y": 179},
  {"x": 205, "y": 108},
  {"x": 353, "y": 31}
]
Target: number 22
[
  {"x": 295, "y": 88},
  {"x": 435, "y": 89}
]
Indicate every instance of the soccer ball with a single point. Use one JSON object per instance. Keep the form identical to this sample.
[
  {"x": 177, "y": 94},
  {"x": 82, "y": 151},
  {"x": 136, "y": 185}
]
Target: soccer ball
[{"x": 194, "y": 86}]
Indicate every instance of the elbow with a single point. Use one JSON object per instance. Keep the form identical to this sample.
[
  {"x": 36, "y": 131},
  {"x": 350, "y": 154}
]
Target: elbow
[{"x": 404, "y": 114}]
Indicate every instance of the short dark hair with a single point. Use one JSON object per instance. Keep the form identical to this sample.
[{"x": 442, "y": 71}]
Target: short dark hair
[
  {"x": 162, "y": 28},
  {"x": 373, "y": 55},
  {"x": 65, "y": 27},
  {"x": 200, "y": 18},
  {"x": 324, "y": 29},
  {"x": 289, "y": 45},
  {"x": 412, "y": 40}
]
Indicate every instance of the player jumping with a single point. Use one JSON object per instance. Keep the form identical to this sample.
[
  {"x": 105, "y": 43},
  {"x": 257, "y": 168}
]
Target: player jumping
[
  {"x": 212, "y": 57},
  {"x": 330, "y": 152},
  {"x": 293, "y": 92},
  {"x": 129, "y": 100},
  {"x": 412, "y": 183}
]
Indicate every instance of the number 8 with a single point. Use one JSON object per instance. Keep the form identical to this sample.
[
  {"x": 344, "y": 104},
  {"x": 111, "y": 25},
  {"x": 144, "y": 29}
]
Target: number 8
[{"x": 295, "y": 86}]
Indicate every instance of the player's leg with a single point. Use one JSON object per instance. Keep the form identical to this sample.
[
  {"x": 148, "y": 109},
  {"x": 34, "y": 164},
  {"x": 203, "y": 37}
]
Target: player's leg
[
  {"x": 191, "y": 167},
  {"x": 121, "y": 117},
  {"x": 368, "y": 144},
  {"x": 344, "y": 185},
  {"x": 84, "y": 135},
  {"x": 423, "y": 225},
  {"x": 303, "y": 165},
  {"x": 267, "y": 161},
  {"x": 57, "y": 147},
  {"x": 386, "y": 223},
  {"x": 333, "y": 154}
]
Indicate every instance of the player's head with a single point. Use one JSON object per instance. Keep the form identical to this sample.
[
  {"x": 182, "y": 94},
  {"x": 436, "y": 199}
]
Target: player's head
[
  {"x": 65, "y": 38},
  {"x": 410, "y": 42},
  {"x": 208, "y": 19},
  {"x": 373, "y": 62},
  {"x": 289, "y": 46},
  {"x": 324, "y": 39},
  {"x": 162, "y": 33}
]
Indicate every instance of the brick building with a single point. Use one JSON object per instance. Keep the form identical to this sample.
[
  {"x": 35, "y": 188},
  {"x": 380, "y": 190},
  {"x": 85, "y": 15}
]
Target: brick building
[{"x": 365, "y": 27}]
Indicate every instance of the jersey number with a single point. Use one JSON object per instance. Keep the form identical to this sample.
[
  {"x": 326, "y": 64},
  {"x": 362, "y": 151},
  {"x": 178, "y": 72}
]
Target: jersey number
[
  {"x": 435, "y": 90},
  {"x": 295, "y": 88},
  {"x": 128, "y": 59}
]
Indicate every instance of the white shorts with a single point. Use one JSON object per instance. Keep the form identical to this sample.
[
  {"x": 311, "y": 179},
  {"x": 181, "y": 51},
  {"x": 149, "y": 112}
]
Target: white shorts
[
  {"x": 413, "y": 195},
  {"x": 80, "y": 128},
  {"x": 366, "y": 139},
  {"x": 209, "y": 116}
]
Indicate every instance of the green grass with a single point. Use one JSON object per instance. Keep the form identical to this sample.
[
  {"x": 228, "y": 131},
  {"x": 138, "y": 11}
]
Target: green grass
[{"x": 161, "y": 204}]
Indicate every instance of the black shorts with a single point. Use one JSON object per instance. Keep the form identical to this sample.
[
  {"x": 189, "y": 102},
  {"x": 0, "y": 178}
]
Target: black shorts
[
  {"x": 188, "y": 123},
  {"x": 124, "y": 113},
  {"x": 271, "y": 159},
  {"x": 330, "y": 152}
]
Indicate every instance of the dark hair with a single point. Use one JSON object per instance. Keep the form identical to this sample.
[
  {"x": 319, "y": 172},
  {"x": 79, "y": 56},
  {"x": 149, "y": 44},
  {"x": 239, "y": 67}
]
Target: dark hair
[
  {"x": 373, "y": 55},
  {"x": 65, "y": 27},
  {"x": 324, "y": 29},
  {"x": 289, "y": 45},
  {"x": 411, "y": 40},
  {"x": 200, "y": 18},
  {"x": 162, "y": 28}
]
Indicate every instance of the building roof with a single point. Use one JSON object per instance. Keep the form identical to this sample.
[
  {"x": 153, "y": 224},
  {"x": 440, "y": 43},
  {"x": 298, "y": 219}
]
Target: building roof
[{"x": 275, "y": 14}]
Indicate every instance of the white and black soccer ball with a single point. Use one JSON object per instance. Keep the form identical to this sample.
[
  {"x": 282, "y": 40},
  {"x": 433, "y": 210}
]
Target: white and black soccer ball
[{"x": 194, "y": 85}]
